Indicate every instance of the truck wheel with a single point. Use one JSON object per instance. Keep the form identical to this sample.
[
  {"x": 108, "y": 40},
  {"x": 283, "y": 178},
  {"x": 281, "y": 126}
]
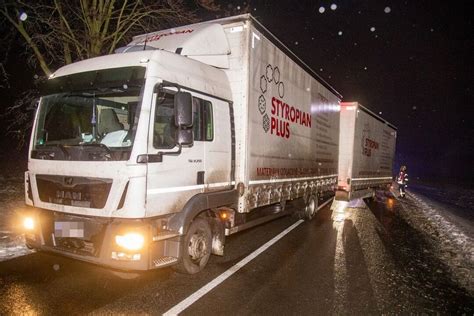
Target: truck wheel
[
  {"x": 311, "y": 207},
  {"x": 371, "y": 197},
  {"x": 196, "y": 247},
  {"x": 280, "y": 207}
]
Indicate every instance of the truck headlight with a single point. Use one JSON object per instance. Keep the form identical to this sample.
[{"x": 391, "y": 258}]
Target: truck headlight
[
  {"x": 28, "y": 223},
  {"x": 130, "y": 241}
]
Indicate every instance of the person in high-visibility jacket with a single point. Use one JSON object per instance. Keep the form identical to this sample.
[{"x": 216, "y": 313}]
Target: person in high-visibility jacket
[{"x": 402, "y": 180}]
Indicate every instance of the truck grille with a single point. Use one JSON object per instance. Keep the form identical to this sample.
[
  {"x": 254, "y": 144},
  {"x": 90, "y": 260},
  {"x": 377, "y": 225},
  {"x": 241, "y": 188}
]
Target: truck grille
[
  {"x": 88, "y": 245},
  {"x": 73, "y": 191},
  {"x": 77, "y": 246}
]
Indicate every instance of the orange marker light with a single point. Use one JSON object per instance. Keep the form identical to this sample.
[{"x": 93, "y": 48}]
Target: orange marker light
[{"x": 224, "y": 215}]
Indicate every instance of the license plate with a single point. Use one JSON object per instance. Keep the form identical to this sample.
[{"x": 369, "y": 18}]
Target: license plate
[
  {"x": 81, "y": 203},
  {"x": 69, "y": 229}
]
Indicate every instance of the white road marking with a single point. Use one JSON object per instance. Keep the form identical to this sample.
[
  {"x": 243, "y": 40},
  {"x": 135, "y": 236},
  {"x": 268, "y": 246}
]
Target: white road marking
[{"x": 221, "y": 278}]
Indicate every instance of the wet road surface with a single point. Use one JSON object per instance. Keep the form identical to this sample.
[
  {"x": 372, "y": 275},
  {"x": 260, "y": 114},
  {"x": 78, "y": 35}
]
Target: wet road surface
[{"x": 369, "y": 262}]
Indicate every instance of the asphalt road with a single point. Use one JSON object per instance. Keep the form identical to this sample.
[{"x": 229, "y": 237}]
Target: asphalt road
[{"x": 369, "y": 262}]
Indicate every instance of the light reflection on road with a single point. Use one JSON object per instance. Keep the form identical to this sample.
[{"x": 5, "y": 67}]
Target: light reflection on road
[
  {"x": 19, "y": 300},
  {"x": 340, "y": 268}
]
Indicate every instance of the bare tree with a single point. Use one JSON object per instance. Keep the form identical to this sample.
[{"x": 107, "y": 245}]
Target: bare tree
[
  {"x": 3, "y": 76},
  {"x": 58, "y": 32}
]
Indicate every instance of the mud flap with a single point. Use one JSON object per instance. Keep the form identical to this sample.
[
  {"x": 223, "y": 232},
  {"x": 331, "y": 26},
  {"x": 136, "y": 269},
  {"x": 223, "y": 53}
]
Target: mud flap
[{"x": 218, "y": 236}]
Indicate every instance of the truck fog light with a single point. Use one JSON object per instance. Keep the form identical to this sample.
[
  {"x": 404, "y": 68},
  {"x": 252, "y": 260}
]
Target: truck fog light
[
  {"x": 29, "y": 223},
  {"x": 130, "y": 241},
  {"x": 117, "y": 255}
]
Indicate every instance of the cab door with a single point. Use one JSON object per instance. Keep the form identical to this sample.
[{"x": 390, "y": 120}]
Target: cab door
[
  {"x": 172, "y": 181},
  {"x": 212, "y": 129}
]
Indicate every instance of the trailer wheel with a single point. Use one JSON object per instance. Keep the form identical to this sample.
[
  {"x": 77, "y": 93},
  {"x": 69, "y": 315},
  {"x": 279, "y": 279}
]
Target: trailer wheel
[
  {"x": 311, "y": 207},
  {"x": 371, "y": 198},
  {"x": 196, "y": 247}
]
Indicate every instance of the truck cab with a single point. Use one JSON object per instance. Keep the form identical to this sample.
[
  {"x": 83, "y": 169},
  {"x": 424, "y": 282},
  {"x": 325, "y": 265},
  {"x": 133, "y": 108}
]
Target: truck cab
[{"x": 113, "y": 146}]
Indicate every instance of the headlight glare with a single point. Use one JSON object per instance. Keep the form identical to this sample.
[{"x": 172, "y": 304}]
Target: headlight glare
[
  {"x": 130, "y": 241},
  {"x": 29, "y": 223}
]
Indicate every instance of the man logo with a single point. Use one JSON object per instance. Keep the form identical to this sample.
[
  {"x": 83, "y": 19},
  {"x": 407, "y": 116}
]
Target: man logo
[{"x": 68, "y": 180}]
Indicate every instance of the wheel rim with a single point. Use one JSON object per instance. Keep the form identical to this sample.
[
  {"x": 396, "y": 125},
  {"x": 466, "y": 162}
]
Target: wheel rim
[
  {"x": 198, "y": 247},
  {"x": 311, "y": 208}
]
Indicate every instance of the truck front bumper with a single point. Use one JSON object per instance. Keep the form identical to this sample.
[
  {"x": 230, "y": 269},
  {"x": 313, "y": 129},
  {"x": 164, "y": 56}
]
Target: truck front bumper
[{"x": 93, "y": 239}]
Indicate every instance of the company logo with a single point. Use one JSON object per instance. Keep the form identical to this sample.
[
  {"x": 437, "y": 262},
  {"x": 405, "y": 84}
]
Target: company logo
[
  {"x": 368, "y": 145},
  {"x": 157, "y": 37},
  {"x": 281, "y": 115}
]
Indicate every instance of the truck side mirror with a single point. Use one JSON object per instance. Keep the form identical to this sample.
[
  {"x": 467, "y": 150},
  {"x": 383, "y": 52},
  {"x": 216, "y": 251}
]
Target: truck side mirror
[
  {"x": 185, "y": 137},
  {"x": 183, "y": 110}
]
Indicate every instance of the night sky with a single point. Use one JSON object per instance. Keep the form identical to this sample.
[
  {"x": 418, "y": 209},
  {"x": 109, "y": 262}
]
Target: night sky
[{"x": 410, "y": 61}]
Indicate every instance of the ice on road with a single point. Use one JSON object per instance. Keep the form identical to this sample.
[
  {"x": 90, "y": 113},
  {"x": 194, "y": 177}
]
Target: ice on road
[{"x": 449, "y": 234}]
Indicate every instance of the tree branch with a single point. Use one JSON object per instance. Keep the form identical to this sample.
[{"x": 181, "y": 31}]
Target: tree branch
[{"x": 19, "y": 27}]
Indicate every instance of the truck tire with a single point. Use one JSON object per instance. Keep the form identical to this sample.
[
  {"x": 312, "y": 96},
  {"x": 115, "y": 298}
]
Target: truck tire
[
  {"x": 196, "y": 247},
  {"x": 280, "y": 207},
  {"x": 311, "y": 207},
  {"x": 371, "y": 197}
]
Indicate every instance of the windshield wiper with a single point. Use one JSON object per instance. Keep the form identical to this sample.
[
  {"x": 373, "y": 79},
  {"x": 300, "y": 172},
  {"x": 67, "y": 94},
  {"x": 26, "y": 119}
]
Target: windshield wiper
[{"x": 107, "y": 149}]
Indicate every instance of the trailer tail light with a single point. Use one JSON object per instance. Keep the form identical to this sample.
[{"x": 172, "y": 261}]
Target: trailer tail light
[{"x": 390, "y": 204}]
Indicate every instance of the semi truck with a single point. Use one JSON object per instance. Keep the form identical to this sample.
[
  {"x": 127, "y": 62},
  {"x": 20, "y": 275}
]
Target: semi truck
[
  {"x": 366, "y": 152},
  {"x": 151, "y": 156}
]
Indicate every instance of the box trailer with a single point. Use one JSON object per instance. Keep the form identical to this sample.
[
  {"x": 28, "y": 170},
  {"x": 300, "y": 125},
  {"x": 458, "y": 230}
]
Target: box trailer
[
  {"x": 149, "y": 157},
  {"x": 366, "y": 152}
]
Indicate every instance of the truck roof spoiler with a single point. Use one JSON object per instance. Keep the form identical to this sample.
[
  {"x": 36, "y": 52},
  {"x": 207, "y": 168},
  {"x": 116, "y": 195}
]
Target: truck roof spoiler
[{"x": 207, "y": 42}]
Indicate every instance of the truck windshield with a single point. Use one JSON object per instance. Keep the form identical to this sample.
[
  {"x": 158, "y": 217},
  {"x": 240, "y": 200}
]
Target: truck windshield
[{"x": 81, "y": 122}]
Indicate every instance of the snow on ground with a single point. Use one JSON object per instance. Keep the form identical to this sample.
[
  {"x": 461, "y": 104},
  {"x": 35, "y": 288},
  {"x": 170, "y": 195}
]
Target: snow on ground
[
  {"x": 12, "y": 246},
  {"x": 12, "y": 242},
  {"x": 459, "y": 196},
  {"x": 448, "y": 227}
]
